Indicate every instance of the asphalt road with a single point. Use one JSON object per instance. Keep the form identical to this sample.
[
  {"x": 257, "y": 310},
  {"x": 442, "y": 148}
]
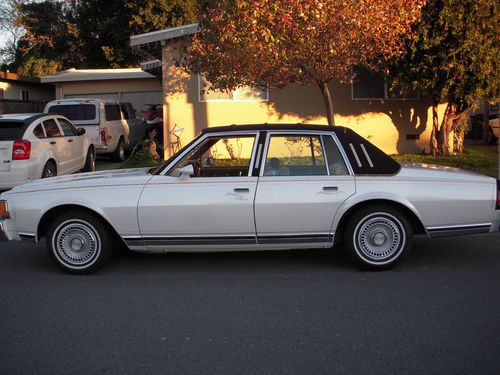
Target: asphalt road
[{"x": 301, "y": 312}]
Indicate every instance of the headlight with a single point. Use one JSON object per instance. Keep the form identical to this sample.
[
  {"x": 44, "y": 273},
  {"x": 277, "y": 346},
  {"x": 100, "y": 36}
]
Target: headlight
[{"x": 4, "y": 210}]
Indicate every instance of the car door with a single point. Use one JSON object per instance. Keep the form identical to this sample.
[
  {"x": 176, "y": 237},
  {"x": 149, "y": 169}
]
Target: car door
[
  {"x": 213, "y": 207},
  {"x": 74, "y": 144},
  {"x": 57, "y": 145},
  {"x": 303, "y": 181}
]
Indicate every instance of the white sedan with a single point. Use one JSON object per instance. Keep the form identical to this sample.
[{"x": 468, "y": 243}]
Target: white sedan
[
  {"x": 254, "y": 187},
  {"x": 34, "y": 146}
]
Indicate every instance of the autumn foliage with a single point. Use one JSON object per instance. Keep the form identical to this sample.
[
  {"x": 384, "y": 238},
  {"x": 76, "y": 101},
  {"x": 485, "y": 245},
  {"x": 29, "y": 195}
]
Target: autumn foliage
[{"x": 272, "y": 43}]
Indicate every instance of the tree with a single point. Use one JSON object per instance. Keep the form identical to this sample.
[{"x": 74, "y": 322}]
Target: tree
[
  {"x": 452, "y": 57},
  {"x": 90, "y": 33},
  {"x": 9, "y": 10},
  {"x": 46, "y": 41},
  {"x": 272, "y": 43}
]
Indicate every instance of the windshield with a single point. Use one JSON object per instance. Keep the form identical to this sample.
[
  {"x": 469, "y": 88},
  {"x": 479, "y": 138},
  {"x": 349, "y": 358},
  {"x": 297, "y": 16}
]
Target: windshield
[
  {"x": 75, "y": 112},
  {"x": 12, "y": 130},
  {"x": 162, "y": 167}
]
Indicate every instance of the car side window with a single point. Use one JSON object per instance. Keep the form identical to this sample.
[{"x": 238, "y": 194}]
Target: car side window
[
  {"x": 38, "y": 131},
  {"x": 112, "y": 112},
  {"x": 128, "y": 111},
  {"x": 51, "y": 128},
  {"x": 295, "y": 155},
  {"x": 219, "y": 157},
  {"x": 336, "y": 163},
  {"x": 67, "y": 127}
]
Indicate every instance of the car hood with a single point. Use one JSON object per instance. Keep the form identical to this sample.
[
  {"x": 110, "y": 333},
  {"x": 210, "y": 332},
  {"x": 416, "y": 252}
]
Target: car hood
[
  {"x": 437, "y": 172},
  {"x": 92, "y": 179}
]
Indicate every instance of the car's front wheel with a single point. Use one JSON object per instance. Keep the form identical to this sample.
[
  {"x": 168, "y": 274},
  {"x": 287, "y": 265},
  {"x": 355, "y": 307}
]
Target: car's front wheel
[
  {"x": 378, "y": 237},
  {"x": 79, "y": 243}
]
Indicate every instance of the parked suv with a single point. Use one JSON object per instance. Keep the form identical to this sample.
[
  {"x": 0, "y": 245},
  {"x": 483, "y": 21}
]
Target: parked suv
[{"x": 112, "y": 126}]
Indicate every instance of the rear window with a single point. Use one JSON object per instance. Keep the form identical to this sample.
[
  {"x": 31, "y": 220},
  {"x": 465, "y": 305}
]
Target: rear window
[
  {"x": 75, "y": 112},
  {"x": 10, "y": 131}
]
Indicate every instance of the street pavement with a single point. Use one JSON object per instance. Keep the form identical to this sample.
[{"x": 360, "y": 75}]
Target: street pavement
[{"x": 298, "y": 312}]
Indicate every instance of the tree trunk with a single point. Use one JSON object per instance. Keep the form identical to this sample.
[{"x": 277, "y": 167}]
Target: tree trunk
[
  {"x": 486, "y": 122},
  {"x": 433, "y": 144},
  {"x": 323, "y": 86}
]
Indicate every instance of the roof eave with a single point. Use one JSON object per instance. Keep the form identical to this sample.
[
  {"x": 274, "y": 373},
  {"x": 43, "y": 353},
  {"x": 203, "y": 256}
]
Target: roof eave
[{"x": 163, "y": 35}]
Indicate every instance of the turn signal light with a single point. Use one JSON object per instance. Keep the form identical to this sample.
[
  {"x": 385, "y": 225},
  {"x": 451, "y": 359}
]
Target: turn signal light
[
  {"x": 4, "y": 211},
  {"x": 21, "y": 150}
]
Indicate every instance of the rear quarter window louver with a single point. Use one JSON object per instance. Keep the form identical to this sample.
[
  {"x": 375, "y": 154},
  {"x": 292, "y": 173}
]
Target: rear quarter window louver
[{"x": 366, "y": 158}]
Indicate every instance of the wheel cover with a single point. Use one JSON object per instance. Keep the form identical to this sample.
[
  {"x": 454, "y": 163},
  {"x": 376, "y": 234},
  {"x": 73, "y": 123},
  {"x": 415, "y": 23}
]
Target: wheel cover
[
  {"x": 76, "y": 243},
  {"x": 379, "y": 238}
]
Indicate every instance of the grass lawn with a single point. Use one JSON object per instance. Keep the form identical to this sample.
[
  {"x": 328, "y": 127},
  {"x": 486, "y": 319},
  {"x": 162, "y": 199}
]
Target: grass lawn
[{"x": 480, "y": 159}]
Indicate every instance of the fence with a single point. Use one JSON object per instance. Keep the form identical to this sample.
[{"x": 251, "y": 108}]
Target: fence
[{"x": 21, "y": 106}]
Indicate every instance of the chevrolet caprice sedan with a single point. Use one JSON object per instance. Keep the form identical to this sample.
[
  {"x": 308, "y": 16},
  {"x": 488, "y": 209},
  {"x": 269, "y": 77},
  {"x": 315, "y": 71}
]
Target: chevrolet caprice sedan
[{"x": 255, "y": 187}]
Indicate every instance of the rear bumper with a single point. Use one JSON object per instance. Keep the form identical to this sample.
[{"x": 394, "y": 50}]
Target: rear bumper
[{"x": 13, "y": 177}]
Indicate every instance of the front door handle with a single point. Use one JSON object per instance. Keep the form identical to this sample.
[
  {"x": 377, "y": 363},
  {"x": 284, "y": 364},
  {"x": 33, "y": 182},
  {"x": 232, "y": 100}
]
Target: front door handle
[
  {"x": 70, "y": 140},
  {"x": 242, "y": 190},
  {"x": 330, "y": 188},
  {"x": 53, "y": 142}
]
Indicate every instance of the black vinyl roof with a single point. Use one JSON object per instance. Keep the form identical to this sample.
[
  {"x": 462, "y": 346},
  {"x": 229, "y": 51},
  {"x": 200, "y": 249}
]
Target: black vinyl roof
[{"x": 364, "y": 157}]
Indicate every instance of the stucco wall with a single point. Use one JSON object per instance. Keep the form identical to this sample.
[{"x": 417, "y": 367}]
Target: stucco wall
[
  {"x": 386, "y": 123},
  {"x": 12, "y": 91}
]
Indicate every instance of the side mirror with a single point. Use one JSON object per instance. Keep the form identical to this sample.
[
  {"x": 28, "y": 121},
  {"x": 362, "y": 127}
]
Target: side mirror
[
  {"x": 80, "y": 131},
  {"x": 186, "y": 172}
]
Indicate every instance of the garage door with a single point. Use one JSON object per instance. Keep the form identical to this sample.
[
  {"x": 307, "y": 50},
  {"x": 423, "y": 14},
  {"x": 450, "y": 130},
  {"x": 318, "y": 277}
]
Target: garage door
[{"x": 103, "y": 96}]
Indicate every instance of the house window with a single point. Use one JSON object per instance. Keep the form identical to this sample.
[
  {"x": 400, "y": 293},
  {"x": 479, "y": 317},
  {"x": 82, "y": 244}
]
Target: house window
[
  {"x": 242, "y": 94},
  {"x": 368, "y": 85},
  {"x": 24, "y": 95}
]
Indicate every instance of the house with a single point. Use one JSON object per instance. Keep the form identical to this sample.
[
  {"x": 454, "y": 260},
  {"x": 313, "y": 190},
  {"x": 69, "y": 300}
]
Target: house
[
  {"x": 395, "y": 123},
  {"x": 129, "y": 85},
  {"x": 23, "y": 94}
]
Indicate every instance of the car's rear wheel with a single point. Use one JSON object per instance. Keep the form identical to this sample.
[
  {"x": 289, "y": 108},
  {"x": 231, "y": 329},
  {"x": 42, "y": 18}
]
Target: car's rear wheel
[
  {"x": 119, "y": 153},
  {"x": 378, "y": 237},
  {"x": 79, "y": 242},
  {"x": 49, "y": 170},
  {"x": 89, "y": 161}
]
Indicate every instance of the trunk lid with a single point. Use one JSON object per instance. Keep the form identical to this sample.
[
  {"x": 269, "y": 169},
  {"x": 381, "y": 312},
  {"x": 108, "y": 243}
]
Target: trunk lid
[
  {"x": 9, "y": 132},
  {"x": 5, "y": 155}
]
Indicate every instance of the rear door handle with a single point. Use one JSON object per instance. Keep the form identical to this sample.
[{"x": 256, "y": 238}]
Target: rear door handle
[
  {"x": 330, "y": 188},
  {"x": 242, "y": 190},
  {"x": 53, "y": 142},
  {"x": 70, "y": 140}
]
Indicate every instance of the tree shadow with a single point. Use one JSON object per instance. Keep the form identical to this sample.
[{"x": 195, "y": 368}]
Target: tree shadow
[{"x": 408, "y": 117}]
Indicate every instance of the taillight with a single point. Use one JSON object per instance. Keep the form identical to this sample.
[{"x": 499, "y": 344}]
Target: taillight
[
  {"x": 21, "y": 150},
  {"x": 104, "y": 136}
]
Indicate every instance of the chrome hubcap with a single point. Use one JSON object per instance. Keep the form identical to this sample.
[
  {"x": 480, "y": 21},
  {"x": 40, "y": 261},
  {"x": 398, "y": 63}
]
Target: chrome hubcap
[
  {"x": 76, "y": 243},
  {"x": 379, "y": 237}
]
